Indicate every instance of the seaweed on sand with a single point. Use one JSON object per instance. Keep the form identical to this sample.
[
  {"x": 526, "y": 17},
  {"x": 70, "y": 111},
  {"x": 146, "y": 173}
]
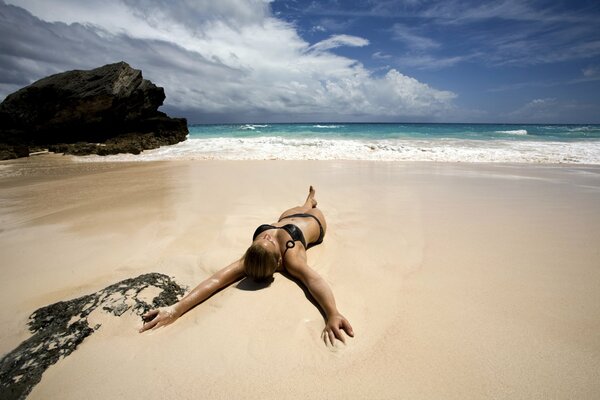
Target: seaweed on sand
[{"x": 60, "y": 327}]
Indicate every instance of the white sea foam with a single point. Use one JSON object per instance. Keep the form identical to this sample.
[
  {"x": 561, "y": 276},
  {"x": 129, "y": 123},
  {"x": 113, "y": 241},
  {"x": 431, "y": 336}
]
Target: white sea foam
[
  {"x": 442, "y": 150},
  {"x": 252, "y": 127},
  {"x": 584, "y": 129},
  {"x": 327, "y": 126},
  {"x": 514, "y": 132}
]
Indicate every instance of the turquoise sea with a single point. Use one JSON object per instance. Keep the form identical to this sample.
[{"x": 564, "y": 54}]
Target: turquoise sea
[
  {"x": 401, "y": 131},
  {"x": 576, "y": 144}
]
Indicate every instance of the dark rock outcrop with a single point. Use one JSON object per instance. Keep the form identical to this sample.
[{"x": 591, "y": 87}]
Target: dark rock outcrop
[
  {"x": 59, "y": 328},
  {"x": 107, "y": 110}
]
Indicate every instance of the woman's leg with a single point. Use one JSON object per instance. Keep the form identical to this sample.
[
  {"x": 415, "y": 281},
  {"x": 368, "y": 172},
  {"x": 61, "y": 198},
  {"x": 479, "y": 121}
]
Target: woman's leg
[
  {"x": 309, "y": 207},
  {"x": 313, "y": 210}
]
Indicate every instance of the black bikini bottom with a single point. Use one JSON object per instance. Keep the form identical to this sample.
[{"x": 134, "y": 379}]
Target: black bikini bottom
[{"x": 321, "y": 234}]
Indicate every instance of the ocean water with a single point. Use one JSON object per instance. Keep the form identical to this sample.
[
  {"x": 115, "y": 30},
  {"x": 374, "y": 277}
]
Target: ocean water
[{"x": 573, "y": 144}]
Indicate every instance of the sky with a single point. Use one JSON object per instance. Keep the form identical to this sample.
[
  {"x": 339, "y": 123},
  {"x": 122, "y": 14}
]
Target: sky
[{"x": 503, "y": 61}]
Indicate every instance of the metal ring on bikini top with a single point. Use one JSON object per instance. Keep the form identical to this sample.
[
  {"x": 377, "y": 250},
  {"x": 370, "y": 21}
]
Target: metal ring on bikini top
[{"x": 290, "y": 244}]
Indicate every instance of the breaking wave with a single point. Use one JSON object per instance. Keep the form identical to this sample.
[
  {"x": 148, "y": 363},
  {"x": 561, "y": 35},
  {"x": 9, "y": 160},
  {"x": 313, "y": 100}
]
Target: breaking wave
[
  {"x": 252, "y": 127},
  {"x": 514, "y": 132},
  {"x": 441, "y": 150}
]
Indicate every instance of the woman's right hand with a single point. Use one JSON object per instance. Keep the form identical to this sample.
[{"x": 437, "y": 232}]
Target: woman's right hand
[{"x": 160, "y": 317}]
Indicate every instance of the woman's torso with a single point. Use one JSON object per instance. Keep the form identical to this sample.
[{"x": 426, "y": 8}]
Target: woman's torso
[{"x": 308, "y": 226}]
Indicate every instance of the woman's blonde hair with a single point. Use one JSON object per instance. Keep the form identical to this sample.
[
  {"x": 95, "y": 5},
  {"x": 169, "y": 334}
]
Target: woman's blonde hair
[{"x": 259, "y": 263}]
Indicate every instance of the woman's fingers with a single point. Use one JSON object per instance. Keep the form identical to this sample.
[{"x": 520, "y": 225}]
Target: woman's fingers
[
  {"x": 158, "y": 325},
  {"x": 151, "y": 319},
  {"x": 347, "y": 327},
  {"x": 328, "y": 335},
  {"x": 334, "y": 329},
  {"x": 148, "y": 325},
  {"x": 150, "y": 314},
  {"x": 157, "y": 318},
  {"x": 338, "y": 334}
]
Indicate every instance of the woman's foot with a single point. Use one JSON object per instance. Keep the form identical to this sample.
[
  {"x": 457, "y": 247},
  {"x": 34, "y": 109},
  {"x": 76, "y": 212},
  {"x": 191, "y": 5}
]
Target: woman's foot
[{"x": 310, "y": 200}]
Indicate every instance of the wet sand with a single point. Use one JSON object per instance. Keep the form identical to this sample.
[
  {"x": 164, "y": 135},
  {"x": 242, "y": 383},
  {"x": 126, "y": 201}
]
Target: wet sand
[{"x": 460, "y": 280}]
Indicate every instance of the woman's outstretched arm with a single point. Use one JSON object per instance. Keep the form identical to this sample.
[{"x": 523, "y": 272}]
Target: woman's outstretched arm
[
  {"x": 167, "y": 315},
  {"x": 322, "y": 293}
]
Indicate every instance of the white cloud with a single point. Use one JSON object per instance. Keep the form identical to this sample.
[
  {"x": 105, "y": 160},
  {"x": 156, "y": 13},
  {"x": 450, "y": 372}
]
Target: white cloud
[
  {"x": 427, "y": 61},
  {"x": 591, "y": 72},
  {"x": 413, "y": 94},
  {"x": 378, "y": 55},
  {"x": 228, "y": 58},
  {"x": 412, "y": 39},
  {"x": 535, "y": 110},
  {"x": 458, "y": 11},
  {"x": 339, "y": 41},
  {"x": 553, "y": 110},
  {"x": 334, "y": 25}
]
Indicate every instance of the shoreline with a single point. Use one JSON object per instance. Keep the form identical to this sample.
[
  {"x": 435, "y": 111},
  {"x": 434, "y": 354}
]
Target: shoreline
[
  {"x": 461, "y": 280},
  {"x": 58, "y": 158}
]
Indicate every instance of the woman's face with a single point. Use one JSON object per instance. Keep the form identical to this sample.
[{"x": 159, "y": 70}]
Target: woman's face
[{"x": 269, "y": 243}]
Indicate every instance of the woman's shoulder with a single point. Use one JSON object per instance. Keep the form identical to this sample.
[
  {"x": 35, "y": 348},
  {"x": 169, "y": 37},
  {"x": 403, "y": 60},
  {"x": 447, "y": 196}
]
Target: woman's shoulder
[{"x": 295, "y": 257}]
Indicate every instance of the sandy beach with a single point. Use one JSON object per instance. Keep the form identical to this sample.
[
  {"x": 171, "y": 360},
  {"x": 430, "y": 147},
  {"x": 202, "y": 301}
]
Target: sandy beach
[{"x": 461, "y": 281}]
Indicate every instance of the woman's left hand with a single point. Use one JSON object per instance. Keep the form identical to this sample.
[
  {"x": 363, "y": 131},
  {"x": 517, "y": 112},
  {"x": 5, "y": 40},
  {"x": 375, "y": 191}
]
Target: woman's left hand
[{"x": 333, "y": 329}]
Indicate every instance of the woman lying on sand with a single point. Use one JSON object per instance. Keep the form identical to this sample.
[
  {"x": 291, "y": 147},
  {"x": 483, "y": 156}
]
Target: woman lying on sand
[{"x": 280, "y": 246}]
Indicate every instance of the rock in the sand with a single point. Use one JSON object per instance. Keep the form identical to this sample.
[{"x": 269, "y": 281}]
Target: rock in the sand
[
  {"x": 107, "y": 110},
  {"x": 59, "y": 328}
]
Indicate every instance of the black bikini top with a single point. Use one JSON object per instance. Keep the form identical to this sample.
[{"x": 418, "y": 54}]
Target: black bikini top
[{"x": 291, "y": 229}]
